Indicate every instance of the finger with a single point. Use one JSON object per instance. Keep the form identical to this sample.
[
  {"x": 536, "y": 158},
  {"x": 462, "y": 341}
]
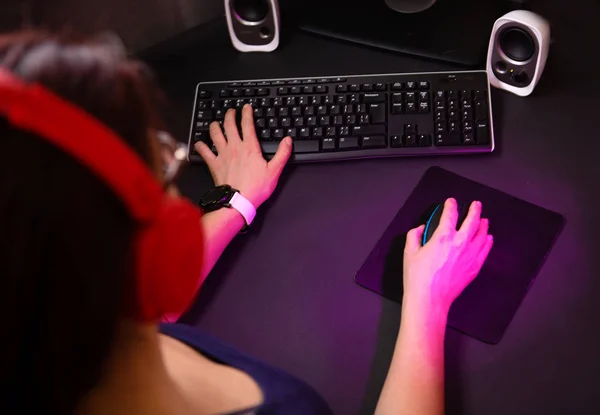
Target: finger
[
  {"x": 206, "y": 153},
  {"x": 471, "y": 224},
  {"x": 231, "y": 131},
  {"x": 485, "y": 251},
  {"x": 449, "y": 217},
  {"x": 414, "y": 237},
  {"x": 248, "y": 130},
  {"x": 281, "y": 157},
  {"x": 217, "y": 137}
]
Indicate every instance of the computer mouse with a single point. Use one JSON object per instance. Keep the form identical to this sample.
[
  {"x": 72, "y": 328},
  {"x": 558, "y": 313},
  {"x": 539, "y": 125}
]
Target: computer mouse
[
  {"x": 434, "y": 220},
  {"x": 251, "y": 10}
]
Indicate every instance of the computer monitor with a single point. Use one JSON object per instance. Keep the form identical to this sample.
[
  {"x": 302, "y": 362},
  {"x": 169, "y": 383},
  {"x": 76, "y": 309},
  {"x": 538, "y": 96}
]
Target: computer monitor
[{"x": 455, "y": 31}]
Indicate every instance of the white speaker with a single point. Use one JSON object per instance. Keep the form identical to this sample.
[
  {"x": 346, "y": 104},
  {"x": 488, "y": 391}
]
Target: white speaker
[
  {"x": 254, "y": 25},
  {"x": 518, "y": 51}
]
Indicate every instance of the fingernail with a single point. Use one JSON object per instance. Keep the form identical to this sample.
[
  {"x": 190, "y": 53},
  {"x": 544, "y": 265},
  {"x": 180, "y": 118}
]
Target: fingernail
[
  {"x": 287, "y": 141},
  {"x": 246, "y": 105}
]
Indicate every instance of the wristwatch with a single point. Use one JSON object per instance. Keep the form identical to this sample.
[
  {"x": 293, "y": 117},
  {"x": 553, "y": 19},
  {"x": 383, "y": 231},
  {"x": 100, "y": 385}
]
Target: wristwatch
[{"x": 226, "y": 196}]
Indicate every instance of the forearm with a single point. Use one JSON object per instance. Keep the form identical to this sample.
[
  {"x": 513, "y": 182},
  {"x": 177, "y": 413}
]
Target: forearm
[
  {"x": 415, "y": 381},
  {"x": 219, "y": 227}
]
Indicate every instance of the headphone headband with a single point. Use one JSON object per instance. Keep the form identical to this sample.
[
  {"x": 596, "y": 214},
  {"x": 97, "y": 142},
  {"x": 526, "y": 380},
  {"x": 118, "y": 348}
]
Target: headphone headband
[{"x": 34, "y": 108}]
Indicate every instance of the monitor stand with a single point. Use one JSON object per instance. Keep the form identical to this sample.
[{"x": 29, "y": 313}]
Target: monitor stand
[{"x": 455, "y": 31}]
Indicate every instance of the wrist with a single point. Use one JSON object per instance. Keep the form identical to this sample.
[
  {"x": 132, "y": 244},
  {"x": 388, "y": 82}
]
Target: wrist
[
  {"x": 423, "y": 310},
  {"x": 229, "y": 216}
]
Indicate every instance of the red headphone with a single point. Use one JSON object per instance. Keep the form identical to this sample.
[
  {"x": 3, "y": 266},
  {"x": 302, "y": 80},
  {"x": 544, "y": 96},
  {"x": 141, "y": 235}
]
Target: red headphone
[{"x": 169, "y": 243}]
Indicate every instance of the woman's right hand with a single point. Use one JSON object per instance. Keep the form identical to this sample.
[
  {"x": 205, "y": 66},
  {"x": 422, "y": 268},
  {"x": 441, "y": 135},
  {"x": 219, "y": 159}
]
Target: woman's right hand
[{"x": 435, "y": 274}]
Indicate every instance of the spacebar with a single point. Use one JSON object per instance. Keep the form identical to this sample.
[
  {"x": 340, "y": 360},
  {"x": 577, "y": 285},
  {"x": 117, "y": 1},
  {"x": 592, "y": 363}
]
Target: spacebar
[{"x": 306, "y": 146}]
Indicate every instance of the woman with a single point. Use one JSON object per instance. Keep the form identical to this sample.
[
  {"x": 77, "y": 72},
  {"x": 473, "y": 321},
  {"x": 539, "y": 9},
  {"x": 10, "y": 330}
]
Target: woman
[{"x": 65, "y": 261}]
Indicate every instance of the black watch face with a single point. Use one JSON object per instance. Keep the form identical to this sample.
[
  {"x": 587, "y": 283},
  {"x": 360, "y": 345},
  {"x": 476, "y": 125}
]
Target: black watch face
[{"x": 217, "y": 197}]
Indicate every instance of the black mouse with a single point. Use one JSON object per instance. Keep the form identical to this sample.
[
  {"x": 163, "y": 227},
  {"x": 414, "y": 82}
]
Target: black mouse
[
  {"x": 251, "y": 10},
  {"x": 434, "y": 220}
]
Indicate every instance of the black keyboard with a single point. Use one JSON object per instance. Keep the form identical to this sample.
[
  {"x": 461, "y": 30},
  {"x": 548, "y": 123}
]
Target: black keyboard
[{"x": 358, "y": 116}]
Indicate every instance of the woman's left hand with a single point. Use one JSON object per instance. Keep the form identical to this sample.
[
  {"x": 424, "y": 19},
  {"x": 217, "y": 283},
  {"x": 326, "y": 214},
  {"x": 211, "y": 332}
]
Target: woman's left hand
[{"x": 240, "y": 163}]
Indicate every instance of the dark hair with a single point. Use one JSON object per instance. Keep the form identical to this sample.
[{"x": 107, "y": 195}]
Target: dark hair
[{"x": 65, "y": 239}]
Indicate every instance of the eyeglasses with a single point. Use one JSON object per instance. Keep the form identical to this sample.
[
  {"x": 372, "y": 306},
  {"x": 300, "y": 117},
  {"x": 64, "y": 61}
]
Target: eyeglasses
[{"x": 174, "y": 157}]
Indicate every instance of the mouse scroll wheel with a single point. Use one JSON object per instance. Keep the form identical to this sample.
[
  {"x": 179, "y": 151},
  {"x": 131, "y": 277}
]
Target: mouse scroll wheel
[{"x": 251, "y": 10}]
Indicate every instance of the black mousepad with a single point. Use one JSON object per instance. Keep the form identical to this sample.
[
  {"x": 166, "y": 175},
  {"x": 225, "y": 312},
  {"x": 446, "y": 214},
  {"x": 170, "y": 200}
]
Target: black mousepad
[{"x": 523, "y": 236}]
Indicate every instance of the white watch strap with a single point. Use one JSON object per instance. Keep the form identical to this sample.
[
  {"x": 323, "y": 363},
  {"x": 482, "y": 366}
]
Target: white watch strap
[{"x": 244, "y": 206}]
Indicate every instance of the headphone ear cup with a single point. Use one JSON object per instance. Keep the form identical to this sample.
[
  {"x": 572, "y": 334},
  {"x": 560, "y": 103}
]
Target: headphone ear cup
[{"x": 170, "y": 252}]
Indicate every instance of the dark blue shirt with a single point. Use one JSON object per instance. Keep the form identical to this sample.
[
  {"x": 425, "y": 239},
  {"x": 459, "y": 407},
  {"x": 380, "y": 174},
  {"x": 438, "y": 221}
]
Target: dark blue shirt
[{"x": 282, "y": 392}]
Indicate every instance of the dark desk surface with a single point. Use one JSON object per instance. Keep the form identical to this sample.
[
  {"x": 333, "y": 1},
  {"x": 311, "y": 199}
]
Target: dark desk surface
[{"x": 285, "y": 292}]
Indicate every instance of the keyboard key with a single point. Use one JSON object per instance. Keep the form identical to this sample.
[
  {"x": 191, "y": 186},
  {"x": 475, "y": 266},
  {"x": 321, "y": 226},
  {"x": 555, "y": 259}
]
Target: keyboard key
[
  {"x": 410, "y": 128},
  {"x": 380, "y": 86},
  {"x": 453, "y": 94},
  {"x": 236, "y": 92},
  {"x": 411, "y": 108},
  {"x": 282, "y": 90},
  {"x": 337, "y": 80},
  {"x": 366, "y": 87},
  {"x": 260, "y": 123},
  {"x": 321, "y": 89},
  {"x": 424, "y": 107},
  {"x": 298, "y": 121},
  {"x": 373, "y": 98},
  {"x": 335, "y": 110},
  {"x": 271, "y": 112},
  {"x": 277, "y": 133},
  {"x": 368, "y": 130},
  {"x": 424, "y": 96},
  {"x": 348, "y": 143},
  {"x": 257, "y": 112},
  {"x": 262, "y": 91},
  {"x": 467, "y": 114},
  {"x": 265, "y": 134},
  {"x": 286, "y": 122},
  {"x": 468, "y": 138},
  {"x": 249, "y": 83},
  {"x": 328, "y": 99},
  {"x": 481, "y": 111},
  {"x": 306, "y": 146},
  {"x": 479, "y": 94},
  {"x": 290, "y": 101},
  {"x": 440, "y": 127},
  {"x": 311, "y": 121},
  {"x": 324, "y": 120},
  {"x": 220, "y": 114},
  {"x": 309, "y": 81},
  {"x": 397, "y": 86},
  {"x": 397, "y": 108},
  {"x": 354, "y": 88},
  {"x": 284, "y": 112},
  {"x": 263, "y": 83},
  {"x": 321, "y": 110},
  {"x": 350, "y": 120},
  {"x": 205, "y": 115},
  {"x": 361, "y": 109},
  {"x": 397, "y": 97},
  {"x": 440, "y": 115},
  {"x": 273, "y": 122},
  {"x": 308, "y": 90},
  {"x": 323, "y": 80},
  {"x": 453, "y": 115},
  {"x": 411, "y": 85},
  {"x": 295, "y": 90},
  {"x": 278, "y": 102},
  {"x": 317, "y": 132},
  {"x": 296, "y": 111},
  {"x": 291, "y": 132},
  {"x": 204, "y": 94},
  {"x": 304, "y": 132},
  {"x": 364, "y": 119},
  {"x": 411, "y": 140},
  {"x": 374, "y": 141},
  {"x": 314, "y": 100},
  {"x": 249, "y": 92},
  {"x": 453, "y": 104},
  {"x": 341, "y": 88},
  {"x": 348, "y": 109},
  {"x": 338, "y": 120},
  {"x": 202, "y": 105},
  {"x": 328, "y": 144},
  {"x": 310, "y": 110},
  {"x": 410, "y": 97},
  {"x": 277, "y": 83},
  {"x": 423, "y": 85},
  {"x": 224, "y": 93},
  {"x": 330, "y": 132},
  {"x": 233, "y": 84},
  {"x": 482, "y": 133},
  {"x": 467, "y": 127},
  {"x": 453, "y": 127},
  {"x": 396, "y": 141},
  {"x": 377, "y": 113},
  {"x": 269, "y": 147},
  {"x": 447, "y": 139},
  {"x": 293, "y": 82},
  {"x": 440, "y": 95},
  {"x": 424, "y": 140},
  {"x": 344, "y": 131}
]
